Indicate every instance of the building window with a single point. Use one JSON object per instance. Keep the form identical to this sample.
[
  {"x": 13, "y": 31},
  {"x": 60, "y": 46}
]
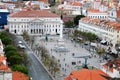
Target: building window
[{"x": 117, "y": 36}]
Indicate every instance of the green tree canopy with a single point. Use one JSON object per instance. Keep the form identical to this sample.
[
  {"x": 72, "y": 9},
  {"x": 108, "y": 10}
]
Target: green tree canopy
[
  {"x": 16, "y": 59},
  {"x": 90, "y": 36},
  {"x": 26, "y": 36},
  {"x": 68, "y": 24},
  {"x": 100, "y": 51},
  {"x": 3, "y": 34},
  {"x": 9, "y": 48},
  {"x": 6, "y": 40},
  {"x": 77, "y": 18},
  {"x": 20, "y": 68},
  {"x": 10, "y": 53}
]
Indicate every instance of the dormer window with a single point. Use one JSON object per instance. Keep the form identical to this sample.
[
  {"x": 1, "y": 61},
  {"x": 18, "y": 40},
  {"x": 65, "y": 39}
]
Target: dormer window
[{"x": 112, "y": 14}]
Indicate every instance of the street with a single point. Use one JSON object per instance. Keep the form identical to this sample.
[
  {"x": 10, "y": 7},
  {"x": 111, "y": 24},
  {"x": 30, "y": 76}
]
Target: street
[{"x": 36, "y": 70}]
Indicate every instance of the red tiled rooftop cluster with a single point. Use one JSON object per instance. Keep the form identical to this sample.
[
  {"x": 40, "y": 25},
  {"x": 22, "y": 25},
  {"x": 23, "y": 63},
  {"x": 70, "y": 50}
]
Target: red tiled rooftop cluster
[
  {"x": 102, "y": 23},
  {"x": 86, "y": 74},
  {"x": 33, "y": 13},
  {"x": 19, "y": 76},
  {"x": 113, "y": 64}
]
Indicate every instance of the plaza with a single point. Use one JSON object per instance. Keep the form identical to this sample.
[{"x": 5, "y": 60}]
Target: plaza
[{"x": 66, "y": 59}]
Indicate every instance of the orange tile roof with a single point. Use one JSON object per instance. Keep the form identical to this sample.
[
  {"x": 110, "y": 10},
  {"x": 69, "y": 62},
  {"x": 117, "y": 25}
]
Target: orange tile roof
[
  {"x": 45, "y": 1},
  {"x": 2, "y": 65},
  {"x": 85, "y": 18},
  {"x": 118, "y": 13},
  {"x": 86, "y": 74},
  {"x": 19, "y": 76},
  {"x": 10, "y": 2},
  {"x": 94, "y": 10},
  {"x": 2, "y": 6},
  {"x": 33, "y": 13},
  {"x": 74, "y": 3},
  {"x": 2, "y": 58},
  {"x": 106, "y": 23},
  {"x": 114, "y": 64}
]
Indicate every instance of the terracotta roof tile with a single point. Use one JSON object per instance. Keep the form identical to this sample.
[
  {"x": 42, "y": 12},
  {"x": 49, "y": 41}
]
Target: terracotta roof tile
[
  {"x": 114, "y": 64},
  {"x": 118, "y": 13},
  {"x": 94, "y": 10},
  {"x": 33, "y": 13},
  {"x": 45, "y": 1},
  {"x": 19, "y": 76},
  {"x": 86, "y": 74},
  {"x": 104, "y": 23},
  {"x": 3, "y": 66},
  {"x": 76, "y": 4}
]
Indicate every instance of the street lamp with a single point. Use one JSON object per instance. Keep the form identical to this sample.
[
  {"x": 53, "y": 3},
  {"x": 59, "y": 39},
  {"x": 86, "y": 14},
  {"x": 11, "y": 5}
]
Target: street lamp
[{"x": 86, "y": 58}]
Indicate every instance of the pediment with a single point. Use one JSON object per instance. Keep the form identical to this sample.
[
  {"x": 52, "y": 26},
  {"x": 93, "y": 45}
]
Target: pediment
[{"x": 36, "y": 20}]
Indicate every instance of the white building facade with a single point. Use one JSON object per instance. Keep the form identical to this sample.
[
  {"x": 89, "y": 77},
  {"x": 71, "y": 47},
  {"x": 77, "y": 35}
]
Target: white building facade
[
  {"x": 74, "y": 8},
  {"x": 106, "y": 30},
  {"x": 34, "y": 22}
]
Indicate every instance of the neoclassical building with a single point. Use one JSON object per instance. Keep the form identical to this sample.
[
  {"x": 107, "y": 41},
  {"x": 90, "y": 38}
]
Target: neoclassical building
[{"x": 34, "y": 22}]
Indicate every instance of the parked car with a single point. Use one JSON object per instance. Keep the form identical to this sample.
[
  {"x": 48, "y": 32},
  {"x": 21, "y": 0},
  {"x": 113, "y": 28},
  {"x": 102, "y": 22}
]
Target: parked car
[
  {"x": 19, "y": 42},
  {"x": 21, "y": 46}
]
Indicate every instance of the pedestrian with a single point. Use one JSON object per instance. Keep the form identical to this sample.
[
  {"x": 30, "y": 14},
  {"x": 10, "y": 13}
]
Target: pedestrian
[
  {"x": 64, "y": 59},
  {"x": 73, "y": 54}
]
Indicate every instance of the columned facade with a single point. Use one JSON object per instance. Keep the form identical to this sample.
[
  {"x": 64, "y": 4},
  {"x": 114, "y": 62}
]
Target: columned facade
[{"x": 47, "y": 23}]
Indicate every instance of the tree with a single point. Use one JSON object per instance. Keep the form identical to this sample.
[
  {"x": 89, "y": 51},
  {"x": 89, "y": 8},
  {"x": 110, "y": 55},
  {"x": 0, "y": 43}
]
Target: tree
[
  {"x": 24, "y": 56},
  {"x": 100, "y": 51},
  {"x": 91, "y": 36},
  {"x": 26, "y": 36},
  {"x": 54, "y": 68},
  {"x": 16, "y": 59},
  {"x": 43, "y": 51},
  {"x": 3, "y": 34},
  {"x": 77, "y": 18},
  {"x": 20, "y": 68},
  {"x": 10, "y": 53},
  {"x": 6, "y": 40},
  {"x": 68, "y": 24},
  {"x": 76, "y": 34},
  {"x": 9, "y": 48}
]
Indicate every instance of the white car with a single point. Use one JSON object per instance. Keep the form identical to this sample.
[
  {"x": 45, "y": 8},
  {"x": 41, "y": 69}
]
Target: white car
[
  {"x": 21, "y": 46},
  {"x": 19, "y": 42}
]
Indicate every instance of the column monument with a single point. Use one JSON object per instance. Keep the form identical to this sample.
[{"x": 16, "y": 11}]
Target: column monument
[
  {"x": 60, "y": 46},
  {"x": 60, "y": 42}
]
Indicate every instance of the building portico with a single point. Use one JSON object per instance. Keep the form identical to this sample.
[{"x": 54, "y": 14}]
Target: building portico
[{"x": 35, "y": 22}]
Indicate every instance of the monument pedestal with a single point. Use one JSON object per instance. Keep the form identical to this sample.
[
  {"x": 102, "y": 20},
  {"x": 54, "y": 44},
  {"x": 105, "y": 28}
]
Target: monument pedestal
[{"x": 61, "y": 43}]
